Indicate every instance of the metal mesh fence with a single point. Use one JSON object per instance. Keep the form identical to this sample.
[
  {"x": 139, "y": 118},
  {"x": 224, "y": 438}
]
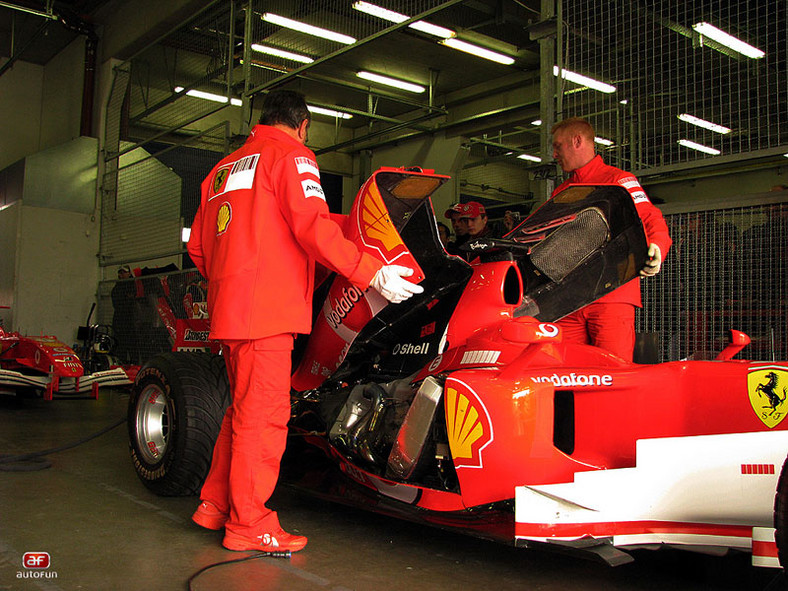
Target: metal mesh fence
[
  {"x": 727, "y": 270},
  {"x": 663, "y": 68}
]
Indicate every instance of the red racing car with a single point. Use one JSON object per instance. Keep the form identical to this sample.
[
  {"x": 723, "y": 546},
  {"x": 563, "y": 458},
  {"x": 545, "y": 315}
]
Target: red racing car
[{"x": 463, "y": 408}]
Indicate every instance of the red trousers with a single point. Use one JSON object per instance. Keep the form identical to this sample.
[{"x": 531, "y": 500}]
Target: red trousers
[
  {"x": 608, "y": 326},
  {"x": 245, "y": 465}
]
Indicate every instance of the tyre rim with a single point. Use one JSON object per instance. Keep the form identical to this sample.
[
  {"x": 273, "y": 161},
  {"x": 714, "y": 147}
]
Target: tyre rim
[{"x": 153, "y": 423}]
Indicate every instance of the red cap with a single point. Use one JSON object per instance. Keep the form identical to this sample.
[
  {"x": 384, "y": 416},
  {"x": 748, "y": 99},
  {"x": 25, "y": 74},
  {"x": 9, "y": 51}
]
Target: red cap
[
  {"x": 452, "y": 210},
  {"x": 472, "y": 209}
]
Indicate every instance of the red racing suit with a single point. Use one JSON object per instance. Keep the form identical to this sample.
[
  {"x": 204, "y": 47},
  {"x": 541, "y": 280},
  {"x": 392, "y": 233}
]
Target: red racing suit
[
  {"x": 261, "y": 225},
  {"x": 612, "y": 326}
]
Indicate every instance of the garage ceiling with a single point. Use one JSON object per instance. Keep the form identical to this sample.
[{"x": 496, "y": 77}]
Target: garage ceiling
[{"x": 660, "y": 66}]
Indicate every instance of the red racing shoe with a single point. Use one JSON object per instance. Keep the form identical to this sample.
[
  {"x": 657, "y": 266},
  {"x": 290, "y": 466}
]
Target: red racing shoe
[
  {"x": 269, "y": 542},
  {"x": 208, "y": 516}
]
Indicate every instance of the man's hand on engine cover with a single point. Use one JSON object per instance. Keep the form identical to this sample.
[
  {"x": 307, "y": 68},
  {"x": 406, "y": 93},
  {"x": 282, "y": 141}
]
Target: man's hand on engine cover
[
  {"x": 653, "y": 263},
  {"x": 389, "y": 282}
]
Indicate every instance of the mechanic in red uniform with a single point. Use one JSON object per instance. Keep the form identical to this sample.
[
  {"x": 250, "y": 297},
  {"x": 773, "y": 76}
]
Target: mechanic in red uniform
[
  {"x": 261, "y": 225},
  {"x": 609, "y": 322}
]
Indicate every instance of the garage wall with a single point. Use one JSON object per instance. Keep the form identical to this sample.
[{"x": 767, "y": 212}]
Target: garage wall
[
  {"x": 57, "y": 271},
  {"x": 61, "y": 96},
  {"x": 20, "y": 111},
  {"x": 9, "y": 228}
]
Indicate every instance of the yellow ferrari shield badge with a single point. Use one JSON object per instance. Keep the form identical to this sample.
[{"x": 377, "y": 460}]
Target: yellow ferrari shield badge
[
  {"x": 768, "y": 389},
  {"x": 219, "y": 178}
]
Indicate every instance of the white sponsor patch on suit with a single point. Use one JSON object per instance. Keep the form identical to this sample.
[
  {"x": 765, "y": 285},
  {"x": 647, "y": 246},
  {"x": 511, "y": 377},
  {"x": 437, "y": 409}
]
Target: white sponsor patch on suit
[
  {"x": 307, "y": 166},
  {"x": 632, "y": 185},
  {"x": 242, "y": 173},
  {"x": 313, "y": 189}
]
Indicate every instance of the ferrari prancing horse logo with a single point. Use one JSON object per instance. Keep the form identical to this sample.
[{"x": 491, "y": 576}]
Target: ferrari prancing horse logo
[{"x": 768, "y": 394}]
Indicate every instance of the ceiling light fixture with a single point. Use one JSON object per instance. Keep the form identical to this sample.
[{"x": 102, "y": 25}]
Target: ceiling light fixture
[
  {"x": 329, "y": 112},
  {"x": 529, "y": 157},
  {"x": 296, "y": 57},
  {"x": 410, "y": 87},
  {"x": 209, "y": 96},
  {"x": 585, "y": 81},
  {"x": 536, "y": 122},
  {"x": 698, "y": 147},
  {"x": 603, "y": 141},
  {"x": 712, "y": 32},
  {"x": 478, "y": 51},
  {"x": 703, "y": 123},
  {"x": 396, "y": 17},
  {"x": 308, "y": 29}
]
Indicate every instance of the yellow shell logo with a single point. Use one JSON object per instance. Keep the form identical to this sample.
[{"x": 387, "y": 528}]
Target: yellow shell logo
[
  {"x": 223, "y": 218},
  {"x": 768, "y": 389},
  {"x": 468, "y": 430},
  {"x": 218, "y": 180},
  {"x": 377, "y": 221}
]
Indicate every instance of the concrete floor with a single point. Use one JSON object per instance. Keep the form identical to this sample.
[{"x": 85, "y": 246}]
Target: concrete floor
[{"x": 104, "y": 530}]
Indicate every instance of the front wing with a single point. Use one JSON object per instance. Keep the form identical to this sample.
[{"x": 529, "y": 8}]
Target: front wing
[
  {"x": 710, "y": 493},
  {"x": 10, "y": 379}
]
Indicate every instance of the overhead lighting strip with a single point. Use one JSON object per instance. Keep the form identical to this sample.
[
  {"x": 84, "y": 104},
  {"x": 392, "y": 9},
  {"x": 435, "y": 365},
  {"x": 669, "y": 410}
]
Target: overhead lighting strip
[
  {"x": 703, "y": 123},
  {"x": 396, "y": 17},
  {"x": 296, "y": 57},
  {"x": 308, "y": 29},
  {"x": 409, "y": 86},
  {"x": 478, "y": 51},
  {"x": 698, "y": 147},
  {"x": 585, "y": 80},
  {"x": 329, "y": 112},
  {"x": 723, "y": 38},
  {"x": 209, "y": 96},
  {"x": 529, "y": 158}
]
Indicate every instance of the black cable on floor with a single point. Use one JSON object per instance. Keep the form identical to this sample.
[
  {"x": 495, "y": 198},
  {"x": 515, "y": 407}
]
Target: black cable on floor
[
  {"x": 276, "y": 554},
  {"x": 31, "y": 462}
]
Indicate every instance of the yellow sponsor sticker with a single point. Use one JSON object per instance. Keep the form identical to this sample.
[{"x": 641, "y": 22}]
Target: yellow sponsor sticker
[
  {"x": 768, "y": 389},
  {"x": 223, "y": 218}
]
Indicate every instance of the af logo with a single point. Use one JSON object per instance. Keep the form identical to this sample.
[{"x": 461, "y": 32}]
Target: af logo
[
  {"x": 468, "y": 425},
  {"x": 223, "y": 218},
  {"x": 219, "y": 178},
  {"x": 767, "y": 390}
]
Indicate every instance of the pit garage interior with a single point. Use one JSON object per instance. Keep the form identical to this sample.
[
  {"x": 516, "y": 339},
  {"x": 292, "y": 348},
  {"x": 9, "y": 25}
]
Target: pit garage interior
[{"x": 112, "y": 112}]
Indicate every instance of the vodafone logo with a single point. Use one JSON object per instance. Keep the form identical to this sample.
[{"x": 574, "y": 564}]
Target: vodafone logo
[{"x": 547, "y": 330}]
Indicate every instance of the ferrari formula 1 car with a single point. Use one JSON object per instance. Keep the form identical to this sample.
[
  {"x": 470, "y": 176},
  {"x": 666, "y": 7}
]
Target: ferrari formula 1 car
[
  {"x": 463, "y": 408},
  {"x": 47, "y": 365}
]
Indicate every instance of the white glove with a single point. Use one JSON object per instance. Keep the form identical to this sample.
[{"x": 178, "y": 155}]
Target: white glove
[
  {"x": 389, "y": 282},
  {"x": 654, "y": 261}
]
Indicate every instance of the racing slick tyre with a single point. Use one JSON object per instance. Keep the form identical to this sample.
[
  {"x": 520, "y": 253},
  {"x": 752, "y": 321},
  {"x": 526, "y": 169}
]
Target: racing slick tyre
[
  {"x": 781, "y": 516},
  {"x": 175, "y": 412}
]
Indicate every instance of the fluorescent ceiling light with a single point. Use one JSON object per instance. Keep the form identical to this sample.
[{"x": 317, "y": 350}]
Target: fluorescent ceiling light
[
  {"x": 536, "y": 122},
  {"x": 329, "y": 112},
  {"x": 391, "y": 82},
  {"x": 624, "y": 102},
  {"x": 308, "y": 29},
  {"x": 703, "y": 123},
  {"x": 699, "y": 147},
  {"x": 727, "y": 40},
  {"x": 478, "y": 51},
  {"x": 603, "y": 141},
  {"x": 209, "y": 96},
  {"x": 529, "y": 157},
  {"x": 584, "y": 80},
  {"x": 296, "y": 57},
  {"x": 396, "y": 17},
  {"x": 185, "y": 234}
]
